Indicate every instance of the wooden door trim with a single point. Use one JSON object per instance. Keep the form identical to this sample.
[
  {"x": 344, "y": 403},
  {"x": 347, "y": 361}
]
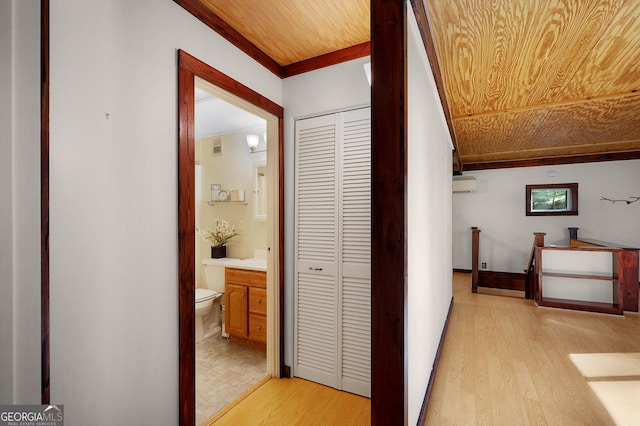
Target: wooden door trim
[
  {"x": 44, "y": 204},
  {"x": 188, "y": 68},
  {"x": 388, "y": 215}
]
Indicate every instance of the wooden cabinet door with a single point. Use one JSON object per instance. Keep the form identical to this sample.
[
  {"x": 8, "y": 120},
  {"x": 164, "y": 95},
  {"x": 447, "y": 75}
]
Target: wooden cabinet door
[{"x": 236, "y": 310}]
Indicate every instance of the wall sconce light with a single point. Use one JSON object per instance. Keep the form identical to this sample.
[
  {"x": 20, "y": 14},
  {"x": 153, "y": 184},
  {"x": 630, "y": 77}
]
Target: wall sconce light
[{"x": 253, "y": 141}]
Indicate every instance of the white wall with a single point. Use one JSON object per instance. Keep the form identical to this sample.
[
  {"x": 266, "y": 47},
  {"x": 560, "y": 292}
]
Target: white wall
[
  {"x": 330, "y": 89},
  {"x": 114, "y": 310},
  {"x": 429, "y": 220},
  {"x": 6, "y": 207},
  {"x": 20, "y": 194},
  {"x": 498, "y": 209}
]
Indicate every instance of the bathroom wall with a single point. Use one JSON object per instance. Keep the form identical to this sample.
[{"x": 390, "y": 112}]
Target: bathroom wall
[
  {"x": 497, "y": 207},
  {"x": 234, "y": 169}
]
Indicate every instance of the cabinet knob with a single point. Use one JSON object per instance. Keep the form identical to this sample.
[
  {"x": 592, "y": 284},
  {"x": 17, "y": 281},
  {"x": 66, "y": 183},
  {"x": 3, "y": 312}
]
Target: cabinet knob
[
  {"x": 258, "y": 328},
  {"x": 259, "y": 301}
]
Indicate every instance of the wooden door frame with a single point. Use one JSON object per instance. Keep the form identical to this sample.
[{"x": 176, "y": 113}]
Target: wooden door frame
[
  {"x": 45, "y": 389},
  {"x": 188, "y": 68},
  {"x": 389, "y": 381}
]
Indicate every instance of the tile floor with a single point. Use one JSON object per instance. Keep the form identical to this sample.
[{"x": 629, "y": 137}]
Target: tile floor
[{"x": 224, "y": 371}]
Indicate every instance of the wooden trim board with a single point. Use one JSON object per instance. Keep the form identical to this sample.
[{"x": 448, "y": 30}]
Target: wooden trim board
[
  {"x": 388, "y": 216},
  {"x": 503, "y": 280},
  {"x": 550, "y": 161},
  {"x": 423, "y": 411},
  {"x": 44, "y": 203}
]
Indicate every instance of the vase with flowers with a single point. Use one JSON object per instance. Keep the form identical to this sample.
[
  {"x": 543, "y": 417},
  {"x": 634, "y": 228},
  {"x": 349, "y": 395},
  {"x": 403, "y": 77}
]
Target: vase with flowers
[{"x": 222, "y": 233}]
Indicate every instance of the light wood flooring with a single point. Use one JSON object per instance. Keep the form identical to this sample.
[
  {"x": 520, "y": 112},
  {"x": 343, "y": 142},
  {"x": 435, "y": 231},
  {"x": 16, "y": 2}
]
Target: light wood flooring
[
  {"x": 505, "y": 361},
  {"x": 295, "y": 402}
]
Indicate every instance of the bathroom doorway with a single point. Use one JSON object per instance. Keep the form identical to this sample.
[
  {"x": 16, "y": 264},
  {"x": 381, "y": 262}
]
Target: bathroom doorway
[
  {"x": 230, "y": 202},
  {"x": 197, "y": 77}
]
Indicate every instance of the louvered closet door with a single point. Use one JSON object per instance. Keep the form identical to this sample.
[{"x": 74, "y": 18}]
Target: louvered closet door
[
  {"x": 355, "y": 231},
  {"x": 333, "y": 228},
  {"x": 316, "y": 284}
]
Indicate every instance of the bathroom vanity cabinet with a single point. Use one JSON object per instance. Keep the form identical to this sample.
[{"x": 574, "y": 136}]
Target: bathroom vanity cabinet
[{"x": 246, "y": 307}]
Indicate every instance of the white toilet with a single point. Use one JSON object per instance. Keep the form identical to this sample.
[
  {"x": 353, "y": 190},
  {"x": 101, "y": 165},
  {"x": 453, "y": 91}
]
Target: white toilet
[{"x": 208, "y": 321}]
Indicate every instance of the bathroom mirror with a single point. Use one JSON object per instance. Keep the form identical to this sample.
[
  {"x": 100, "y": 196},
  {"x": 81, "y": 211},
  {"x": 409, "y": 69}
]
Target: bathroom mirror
[{"x": 260, "y": 191}]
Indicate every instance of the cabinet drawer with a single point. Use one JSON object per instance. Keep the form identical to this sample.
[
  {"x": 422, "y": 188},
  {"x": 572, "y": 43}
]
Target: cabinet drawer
[
  {"x": 246, "y": 277},
  {"x": 258, "y": 328},
  {"x": 258, "y": 300}
]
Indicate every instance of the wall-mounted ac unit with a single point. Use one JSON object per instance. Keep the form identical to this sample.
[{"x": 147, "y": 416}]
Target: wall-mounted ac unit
[{"x": 464, "y": 185}]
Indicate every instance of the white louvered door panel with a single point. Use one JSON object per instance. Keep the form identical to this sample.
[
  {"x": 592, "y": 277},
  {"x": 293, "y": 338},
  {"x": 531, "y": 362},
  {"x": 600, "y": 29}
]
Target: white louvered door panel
[
  {"x": 355, "y": 231},
  {"x": 316, "y": 292},
  {"x": 333, "y": 251}
]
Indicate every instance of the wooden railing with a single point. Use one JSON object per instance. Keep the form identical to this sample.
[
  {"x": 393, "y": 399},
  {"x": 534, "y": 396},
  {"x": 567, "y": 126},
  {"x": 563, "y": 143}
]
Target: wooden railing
[
  {"x": 627, "y": 267},
  {"x": 475, "y": 253},
  {"x": 577, "y": 279},
  {"x": 502, "y": 280},
  {"x": 530, "y": 279}
]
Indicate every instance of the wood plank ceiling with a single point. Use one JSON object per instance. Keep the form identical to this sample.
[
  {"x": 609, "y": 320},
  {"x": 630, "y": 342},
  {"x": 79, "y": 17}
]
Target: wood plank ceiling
[
  {"x": 532, "y": 79},
  {"x": 526, "y": 81},
  {"x": 292, "y": 31}
]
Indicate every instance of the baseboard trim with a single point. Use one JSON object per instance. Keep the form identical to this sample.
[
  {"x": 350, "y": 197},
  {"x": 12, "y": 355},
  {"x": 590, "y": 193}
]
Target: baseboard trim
[
  {"x": 286, "y": 373},
  {"x": 464, "y": 271},
  {"x": 427, "y": 395},
  {"x": 503, "y": 280}
]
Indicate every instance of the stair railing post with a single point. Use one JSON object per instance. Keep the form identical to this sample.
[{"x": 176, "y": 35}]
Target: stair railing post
[
  {"x": 475, "y": 251},
  {"x": 530, "y": 279},
  {"x": 573, "y": 233}
]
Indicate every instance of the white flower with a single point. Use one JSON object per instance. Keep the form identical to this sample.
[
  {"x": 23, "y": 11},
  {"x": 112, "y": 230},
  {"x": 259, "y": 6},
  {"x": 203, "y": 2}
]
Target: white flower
[{"x": 221, "y": 234}]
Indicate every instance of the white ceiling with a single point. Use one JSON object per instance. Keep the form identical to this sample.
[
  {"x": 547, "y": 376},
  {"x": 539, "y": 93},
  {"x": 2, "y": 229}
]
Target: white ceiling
[{"x": 215, "y": 117}]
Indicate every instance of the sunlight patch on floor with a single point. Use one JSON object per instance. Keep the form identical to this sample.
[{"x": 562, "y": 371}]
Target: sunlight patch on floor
[
  {"x": 619, "y": 393},
  {"x": 621, "y": 399},
  {"x": 607, "y": 364}
]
